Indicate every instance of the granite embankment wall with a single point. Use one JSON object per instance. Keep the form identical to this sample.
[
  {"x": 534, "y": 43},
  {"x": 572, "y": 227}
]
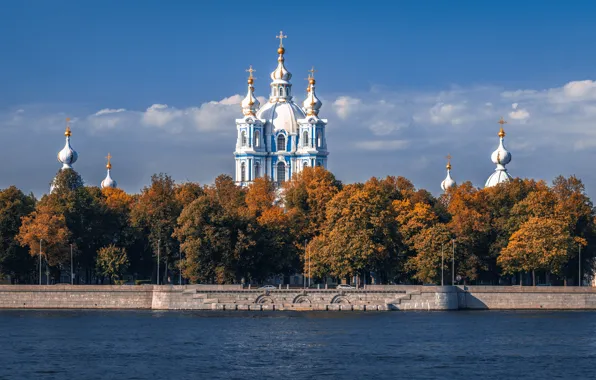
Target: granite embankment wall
[{"x": 233, "y": 297}]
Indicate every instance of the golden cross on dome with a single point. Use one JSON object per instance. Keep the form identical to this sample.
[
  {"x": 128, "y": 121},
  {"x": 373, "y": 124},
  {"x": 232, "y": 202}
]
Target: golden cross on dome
[
  {"x": 312, "y": 72},
  {"x": 448, "y": 157},
  {"x": 250, "y": 71},
  {"x": 502, "y": 121},
  {"x": 281, "y": 37},
  {"x": 109, "y": 157},
  {"x": 502, "y": 131}
]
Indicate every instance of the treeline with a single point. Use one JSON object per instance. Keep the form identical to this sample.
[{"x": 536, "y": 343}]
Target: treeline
[{"x": 383, "y": 230}]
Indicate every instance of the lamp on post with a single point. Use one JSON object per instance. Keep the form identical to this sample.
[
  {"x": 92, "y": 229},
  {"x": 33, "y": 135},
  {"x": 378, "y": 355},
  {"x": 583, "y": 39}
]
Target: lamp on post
[
  {"x": 442, "y": 264},
  {"x": 40, "y": 261},
  {"x": 158, "y": 244},
  {"x": 579, "y": 279},
  {"x": 453, "y": 263},
  {"x": 71, "y": 267}
]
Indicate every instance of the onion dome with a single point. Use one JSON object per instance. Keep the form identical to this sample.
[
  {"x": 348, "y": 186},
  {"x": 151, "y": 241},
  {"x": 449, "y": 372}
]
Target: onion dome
[
  {"x": 281, "y": 74},
  {"x": 108, "y": 181},
  {"x": 500, "y": 157},
  {"x": 311, "y": 104},
  {"x": 67, "y": 156},
  {"x": 448, "y": 181},
  {"x": 250, "y": 104}
]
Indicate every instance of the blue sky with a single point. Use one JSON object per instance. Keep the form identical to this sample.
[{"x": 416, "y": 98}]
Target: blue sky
[{"x": 413, "y": 77}]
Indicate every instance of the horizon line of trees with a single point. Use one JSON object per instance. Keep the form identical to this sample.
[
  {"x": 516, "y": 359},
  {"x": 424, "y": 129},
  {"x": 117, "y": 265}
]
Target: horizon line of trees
[{"x": 383, "y": 229}]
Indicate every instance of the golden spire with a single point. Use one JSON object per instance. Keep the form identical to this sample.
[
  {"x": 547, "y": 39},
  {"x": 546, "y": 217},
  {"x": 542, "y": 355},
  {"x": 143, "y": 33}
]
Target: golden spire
[
  {"x": 67, "y": 132},
  {"x": 109, "y": 165},
  {"x": 281, "y": 37},
  {"x": 250, "y": 77},
  {"x": 502, "y": 131},
  {"x": 448, "y": 157}
]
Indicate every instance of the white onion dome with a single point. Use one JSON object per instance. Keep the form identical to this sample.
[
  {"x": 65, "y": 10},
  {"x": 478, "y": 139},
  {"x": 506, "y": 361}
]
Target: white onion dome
[
  {"x": 108, "y": 181},
  {"x": 250, "y": 104},
  {"x": 281, "y": 75},
  {"x": 311, "y": 104},
  {"x": 67, "y": 156},
  {"x": 500, "y": 157},
  {"x": 448, "y": 181}
]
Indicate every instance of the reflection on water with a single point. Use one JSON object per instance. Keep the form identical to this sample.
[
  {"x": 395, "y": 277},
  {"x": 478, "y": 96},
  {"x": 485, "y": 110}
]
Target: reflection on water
[{"x": 220, "y": 345}]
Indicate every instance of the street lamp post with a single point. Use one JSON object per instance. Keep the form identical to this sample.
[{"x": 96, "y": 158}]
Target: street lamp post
[
  {"x": 442, "y": 263},
  {"x": 579, "y": 280},
  {"x": 40, "y": 261},
  {"x": 309, "y": 268},
  {"x": 71, "y": 267},
  {"x": 180, "y": 270},
  {"x": 158, "y": 244},
  {"x": 453, "y": 263}
]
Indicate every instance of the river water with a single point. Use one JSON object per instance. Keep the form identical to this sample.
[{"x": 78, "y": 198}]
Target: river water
[{"x": 284, "y": 345}]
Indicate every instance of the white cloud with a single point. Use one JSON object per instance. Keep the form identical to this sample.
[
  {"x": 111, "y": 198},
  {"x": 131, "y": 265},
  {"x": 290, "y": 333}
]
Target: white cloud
[
  {"x": 107, "y": 111},
  {"x": 344, "y": 105},
  {"x": 378, "y": 132}
]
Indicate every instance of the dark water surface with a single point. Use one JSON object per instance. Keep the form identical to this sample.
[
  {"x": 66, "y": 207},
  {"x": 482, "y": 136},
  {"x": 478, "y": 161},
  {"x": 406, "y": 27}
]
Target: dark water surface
[{"x": 348, "y": 345}]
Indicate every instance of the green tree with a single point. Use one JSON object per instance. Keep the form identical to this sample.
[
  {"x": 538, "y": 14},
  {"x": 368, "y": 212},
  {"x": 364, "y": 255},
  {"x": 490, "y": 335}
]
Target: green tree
[
  {"x": 112, "y": 262},
  {"x": 15, "y": 261}
]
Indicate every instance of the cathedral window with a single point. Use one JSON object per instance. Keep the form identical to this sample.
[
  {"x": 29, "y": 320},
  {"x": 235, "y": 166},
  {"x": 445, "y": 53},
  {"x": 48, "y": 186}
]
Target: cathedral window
[
  {"x": 281, "y": 142},
  {"x": 305, "y": 138},
  {"x": 243, "y": 138},
  {"x": 242, "y": 172},
  {"x": 319, "y": 140},
  {"x": 257, "y": 142},
  {"x": 281, "y": 91},
  {"x": 257, "y": 170},
  {"x": 281, "y": 172}
]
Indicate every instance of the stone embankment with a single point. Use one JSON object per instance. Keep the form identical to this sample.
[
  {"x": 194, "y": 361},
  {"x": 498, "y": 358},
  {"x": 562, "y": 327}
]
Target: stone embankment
[{"x": 233, "y": 297}]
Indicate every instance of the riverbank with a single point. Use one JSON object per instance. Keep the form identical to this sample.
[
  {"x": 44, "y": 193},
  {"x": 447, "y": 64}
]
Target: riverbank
[{"x": 233, "y": 297}]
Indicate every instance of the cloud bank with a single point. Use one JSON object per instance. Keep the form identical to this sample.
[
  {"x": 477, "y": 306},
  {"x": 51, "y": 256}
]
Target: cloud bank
[{"x": 378, "y": 132}]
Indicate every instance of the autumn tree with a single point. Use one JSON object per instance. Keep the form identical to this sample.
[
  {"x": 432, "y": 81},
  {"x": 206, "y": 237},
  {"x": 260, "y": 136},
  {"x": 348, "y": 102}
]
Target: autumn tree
[
  {"x": 112, "y": 261},
  {"x": 541, "y": 243},
  {"x": 155, "y": 214},
  {"x": 215, "y": 235},
  {"x": 15, "y": 261}
]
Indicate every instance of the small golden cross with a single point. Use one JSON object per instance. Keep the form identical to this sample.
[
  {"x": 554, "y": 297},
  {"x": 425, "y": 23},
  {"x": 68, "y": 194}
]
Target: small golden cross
[
  {"x": 109, "y": 157},
  {"x": 281, "y": 37},
  {"x": 502, "y": 121},
  {"x": 448, "y": 157},
  {"x": 312, "y": 72},
  {"x": 250, "y": 71}
]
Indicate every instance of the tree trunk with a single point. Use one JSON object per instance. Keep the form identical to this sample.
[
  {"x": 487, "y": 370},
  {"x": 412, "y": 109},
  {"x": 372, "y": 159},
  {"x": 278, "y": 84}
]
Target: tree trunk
[
  {"x": 533, "y": 278},
  {"x": 521, "y": 280},
  {"x": 165, "y": 272}
]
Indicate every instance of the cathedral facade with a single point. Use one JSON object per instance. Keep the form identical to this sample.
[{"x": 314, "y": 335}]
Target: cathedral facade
[{"x": 279, "y": 138}]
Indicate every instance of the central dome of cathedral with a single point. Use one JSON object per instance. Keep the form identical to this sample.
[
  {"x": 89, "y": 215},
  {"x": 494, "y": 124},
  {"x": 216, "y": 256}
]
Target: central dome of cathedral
[{"x": 281, "y": 115}]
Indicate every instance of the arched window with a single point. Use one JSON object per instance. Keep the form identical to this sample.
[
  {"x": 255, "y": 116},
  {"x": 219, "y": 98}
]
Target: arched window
[
  {"x": 305, "y": 165},
  {"x": 281, "y": 142},
  {"x": 281, "y": 172},
  {"x": 305, "y": 138},
  {"x": 257, "y": 142},
  {"x": 257, "y": 170},
  {"x": 281, "y": 91},
  {"x": 319, "y": 140},
  {"x": 242, "y": 172},
  {"x": 243, "y": 138}
]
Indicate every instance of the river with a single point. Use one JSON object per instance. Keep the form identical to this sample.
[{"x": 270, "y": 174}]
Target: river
[{"x": 285, "y": 345}]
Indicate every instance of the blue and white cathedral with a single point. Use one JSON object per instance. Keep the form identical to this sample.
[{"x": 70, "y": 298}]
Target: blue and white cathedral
[{"x": 279, "y": 138}]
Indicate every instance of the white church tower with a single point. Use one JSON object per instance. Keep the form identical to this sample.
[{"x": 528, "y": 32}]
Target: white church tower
[
  {"x": 280, "y": 138},
  {"x": 500, "y": 157},
  {"x": 108, "y": 182}
]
